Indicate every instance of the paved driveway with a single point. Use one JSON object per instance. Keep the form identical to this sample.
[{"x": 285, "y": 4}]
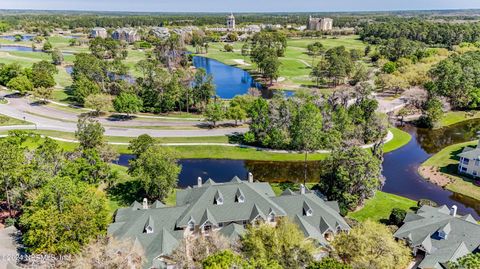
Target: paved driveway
[{"x": 8, "y": 246}]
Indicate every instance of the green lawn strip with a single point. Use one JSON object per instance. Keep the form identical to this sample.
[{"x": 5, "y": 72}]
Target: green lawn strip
[
  {"x": 7, "y": 121},
  {"x": 453, "y": 117},
  {"x": 174, "y": 116},
  {"x": 380, "y": 206},
  {"x": 446, "y": 161},
  {"x": 237, "y": 153},
  {"x": 400, "y": 139},
  {"x": 207, "y": 151},
  {"x": 448, "y": 155},
  {"x": 122, "y": 139},
  {"x": 63, "y": 80}
]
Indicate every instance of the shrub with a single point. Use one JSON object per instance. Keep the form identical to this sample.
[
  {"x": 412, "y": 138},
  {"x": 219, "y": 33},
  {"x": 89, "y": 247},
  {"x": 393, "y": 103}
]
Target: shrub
[
  {"x": 228, "y": 48},
  {"x": 10, "y": 222},
  {"x": 397, "y": 216},
  {"x": 423, "y": 202}
]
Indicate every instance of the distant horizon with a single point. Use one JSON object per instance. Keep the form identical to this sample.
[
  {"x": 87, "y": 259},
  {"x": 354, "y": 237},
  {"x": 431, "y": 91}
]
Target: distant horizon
[
  {"x": 238, "y": 12},
  {"x": 245, "y": 6}
]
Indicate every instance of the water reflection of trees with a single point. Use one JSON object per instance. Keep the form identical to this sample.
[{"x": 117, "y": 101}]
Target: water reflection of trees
[
  {"x": 284, "y": 171},
  {"x": 432, "y": 141},
  {"x": 467, "y": 201}
]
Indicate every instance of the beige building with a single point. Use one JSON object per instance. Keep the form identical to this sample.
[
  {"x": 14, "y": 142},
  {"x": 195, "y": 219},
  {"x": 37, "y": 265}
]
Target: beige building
[
  {"x": 98, "y": 32},
  {"x": 470, "y": 161},
  {"x": 129, "y": 35},
  {"x": 319, "y": 24}
]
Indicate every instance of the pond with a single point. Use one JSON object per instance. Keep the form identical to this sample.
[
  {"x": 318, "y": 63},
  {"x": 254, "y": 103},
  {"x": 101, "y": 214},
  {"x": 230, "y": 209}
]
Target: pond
[
  {"x": 229, "y": 80},
  {"x": 12, "y": 37},
  {"x": 25, "y": 48},
  {"x": 399, "y": 167},
  {"x": 17, "y": 48}
]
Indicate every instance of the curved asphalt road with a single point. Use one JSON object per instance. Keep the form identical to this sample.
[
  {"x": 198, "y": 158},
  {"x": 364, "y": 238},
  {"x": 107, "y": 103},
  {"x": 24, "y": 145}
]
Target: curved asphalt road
[{"x": 65, "y": 121}]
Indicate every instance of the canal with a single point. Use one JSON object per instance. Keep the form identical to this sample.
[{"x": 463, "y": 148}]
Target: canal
[{"x": 399, "y": 167}]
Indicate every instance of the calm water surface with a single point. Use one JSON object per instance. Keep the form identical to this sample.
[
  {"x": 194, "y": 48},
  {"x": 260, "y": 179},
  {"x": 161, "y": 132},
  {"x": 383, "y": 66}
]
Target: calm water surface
[
  {"x": 12, "y": 38},
  {"x": 25, "y": 48},
  {"x": 399, "y": 167},
  {"x": 229, "y": 80}
]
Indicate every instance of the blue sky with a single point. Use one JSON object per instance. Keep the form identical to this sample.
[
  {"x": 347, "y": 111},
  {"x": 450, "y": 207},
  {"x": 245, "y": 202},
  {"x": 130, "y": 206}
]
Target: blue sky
[{"x": 238, "y": 5}]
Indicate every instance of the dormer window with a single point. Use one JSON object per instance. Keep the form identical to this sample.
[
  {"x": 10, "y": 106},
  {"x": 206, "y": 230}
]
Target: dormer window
[
  {"x": 271, "y": 217},
  {"x": 307, "y": 210},
  {"x": 218, "y": 198},
  {"x": 442, "y": 235},
  {"x": 191, "y": 225},
  {"x": 148, "y": 228},
  {"x": 239, "y": 197}
]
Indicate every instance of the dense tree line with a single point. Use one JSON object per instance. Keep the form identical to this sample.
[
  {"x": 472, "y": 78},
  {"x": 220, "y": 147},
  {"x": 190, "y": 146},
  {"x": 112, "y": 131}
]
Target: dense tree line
[
  {"x": 72, "y": 20},
  {"x": 312, "y": 122},
  {"x": 457, "y": 79},
  {"x": 50, "y": 187},
  {"x": 38, "y": 80},
  {"x": 166, "y": 83},
  {"x": 438, "y": 34}
]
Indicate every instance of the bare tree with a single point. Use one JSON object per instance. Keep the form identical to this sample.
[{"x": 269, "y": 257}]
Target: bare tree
[{"x": 192, "y": 251}]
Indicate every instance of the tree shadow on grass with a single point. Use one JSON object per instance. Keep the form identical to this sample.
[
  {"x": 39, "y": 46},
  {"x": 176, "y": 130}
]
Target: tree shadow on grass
[
  {"x": 235, "y": 138},
  {"x": 120, "y": 117},
  {"x": 126, "y": 193}
]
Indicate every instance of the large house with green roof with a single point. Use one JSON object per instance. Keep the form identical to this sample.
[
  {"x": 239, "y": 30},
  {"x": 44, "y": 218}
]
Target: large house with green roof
[
  {"x": 226, "y": 208},
  {"x": 470, "y": 161},
  {"x": 438, "y": 236}
]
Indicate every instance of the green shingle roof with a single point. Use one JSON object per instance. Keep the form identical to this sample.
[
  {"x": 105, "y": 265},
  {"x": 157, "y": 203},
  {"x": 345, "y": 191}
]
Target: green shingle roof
[
  {"x": 424, "y": 228},
  {"x": 159, "y": 229}
]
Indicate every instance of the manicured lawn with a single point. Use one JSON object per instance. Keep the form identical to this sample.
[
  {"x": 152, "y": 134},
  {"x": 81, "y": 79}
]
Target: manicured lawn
[
  {"x": 7, "y": 121},
  {"x": 448, "y": 155},
  {"x": 446, "y": 162},
  {"x": 400, "y": 139},
  {"x": 379, "y": 207},
  {"x": 453, "y": 117},
  {"x": 219, "y": 152}
]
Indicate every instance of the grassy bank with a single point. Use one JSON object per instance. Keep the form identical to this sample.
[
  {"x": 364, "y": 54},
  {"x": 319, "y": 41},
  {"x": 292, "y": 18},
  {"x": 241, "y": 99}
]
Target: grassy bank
[
  {"x": 454, "y": 117},
  {"x": 216, "y": 152},
  {"x": 444, "y": 165},
  {"x": 7, "y": 121},
  {"x": 379, "y": 207},
  {"x": 400, "y": 139}
]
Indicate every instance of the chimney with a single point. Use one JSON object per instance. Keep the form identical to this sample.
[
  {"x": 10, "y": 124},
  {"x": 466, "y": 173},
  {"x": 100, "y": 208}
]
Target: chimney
[
  {"x": 250, "y": 177},
  {"x": 453, "y": 211},
  {"x": 145, "y": 203},
  {"x": 302, "y": 189},
  {"x": 199, "y": 182}
]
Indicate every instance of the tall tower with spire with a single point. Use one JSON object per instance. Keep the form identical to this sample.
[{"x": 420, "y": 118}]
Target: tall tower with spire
[{"x": 231, "y": 22}]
